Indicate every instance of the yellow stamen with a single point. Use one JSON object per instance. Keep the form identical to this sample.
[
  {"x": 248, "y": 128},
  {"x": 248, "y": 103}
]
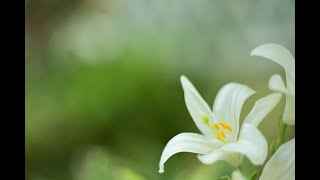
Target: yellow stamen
[
  {"x": 216, "y": 126},
  {"x": 229, "y": 128},
  {"x": 222, "y": 134},
  {"x": 218, "y": 136},
  {"x": 226, "y": 126},
  {"x": 222, "y": 124}
]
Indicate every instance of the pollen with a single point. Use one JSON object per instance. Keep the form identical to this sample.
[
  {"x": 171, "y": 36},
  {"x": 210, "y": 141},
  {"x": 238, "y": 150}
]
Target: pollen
[
  {"x": 222, "y": 134},
  {"x": 216, "y": 126},
  {"x": 229, "y": 128},
  {"x": 222, "y": 124},
  {"x": 218, "y": 136},
  {"x": 226, "y": 126}
]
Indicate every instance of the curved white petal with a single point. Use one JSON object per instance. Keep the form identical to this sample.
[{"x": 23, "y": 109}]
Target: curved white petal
[
  {"x": 234, "y": 159},
  {"x": 289, "y": 111},
  {"x": 282, "y": 163},
  {"x": 276, "y": 84},
  {"x": 228, "y": 104},
  {"x": 237, "y": 175},
  {"x": 251, "y": 143},
  {"x": 197, "y": 107},
  {"x": 282, "y": 56},
  {"x": 262, "y": 108},
  {"x": 187, "y": 142}
]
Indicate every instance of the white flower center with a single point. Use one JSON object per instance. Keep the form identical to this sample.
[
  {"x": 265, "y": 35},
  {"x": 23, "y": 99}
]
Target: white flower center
[{"x": 218, "y": 129}]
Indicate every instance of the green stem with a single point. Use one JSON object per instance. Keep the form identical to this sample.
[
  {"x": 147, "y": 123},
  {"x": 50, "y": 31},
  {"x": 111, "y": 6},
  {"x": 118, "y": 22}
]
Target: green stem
[
  {"x": 282, "y": 132},
  {"x": 253, "y": 175}
]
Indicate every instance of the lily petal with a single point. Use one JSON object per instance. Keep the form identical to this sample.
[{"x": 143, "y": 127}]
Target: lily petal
[
  {"x": 237, "y": 175},
  {"x": 187, "y": 142},
  {"x": 251, "y": 143},
  {"x": 262, "y": 108},
  {"x": 232, "y": 158},
  {"x": 197, "y": 107},
  {"x": 276, "y": 84},
  {"x": 282, "y": 56},
  {"x": 289, "y": 111},
  {"x": 228, "y": 104},
  {"x": 282, "y": 163}
]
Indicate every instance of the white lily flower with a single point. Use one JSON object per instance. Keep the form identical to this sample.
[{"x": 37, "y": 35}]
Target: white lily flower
[
  {"x": 282, "y": 163},
  {"x": 222, "y": 138},
  {"x": 282, "y": 56}
]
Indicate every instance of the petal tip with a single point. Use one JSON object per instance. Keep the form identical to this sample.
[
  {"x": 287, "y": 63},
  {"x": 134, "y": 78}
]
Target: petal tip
[
  {"x": 183, "y": 79},
  {"x": 161, "y": 170},
  {"x": 186, "y": 83},
  {"x": 232, "y": 85},
  {"x": 255, "y": 51}
]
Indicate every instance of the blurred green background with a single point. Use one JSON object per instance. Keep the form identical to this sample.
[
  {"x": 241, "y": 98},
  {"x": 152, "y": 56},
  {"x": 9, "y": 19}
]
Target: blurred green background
[{"x": 103, "y": 94}]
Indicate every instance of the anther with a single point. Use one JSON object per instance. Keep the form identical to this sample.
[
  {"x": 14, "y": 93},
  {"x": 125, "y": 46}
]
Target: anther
[
  {"x": 218, "y": 136},
  {"x": 226, "y": 126},
  {"x": 222, "y": 134},
  {"x": 229, "y": 128},
  {"x": 216, "y": 126}
]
